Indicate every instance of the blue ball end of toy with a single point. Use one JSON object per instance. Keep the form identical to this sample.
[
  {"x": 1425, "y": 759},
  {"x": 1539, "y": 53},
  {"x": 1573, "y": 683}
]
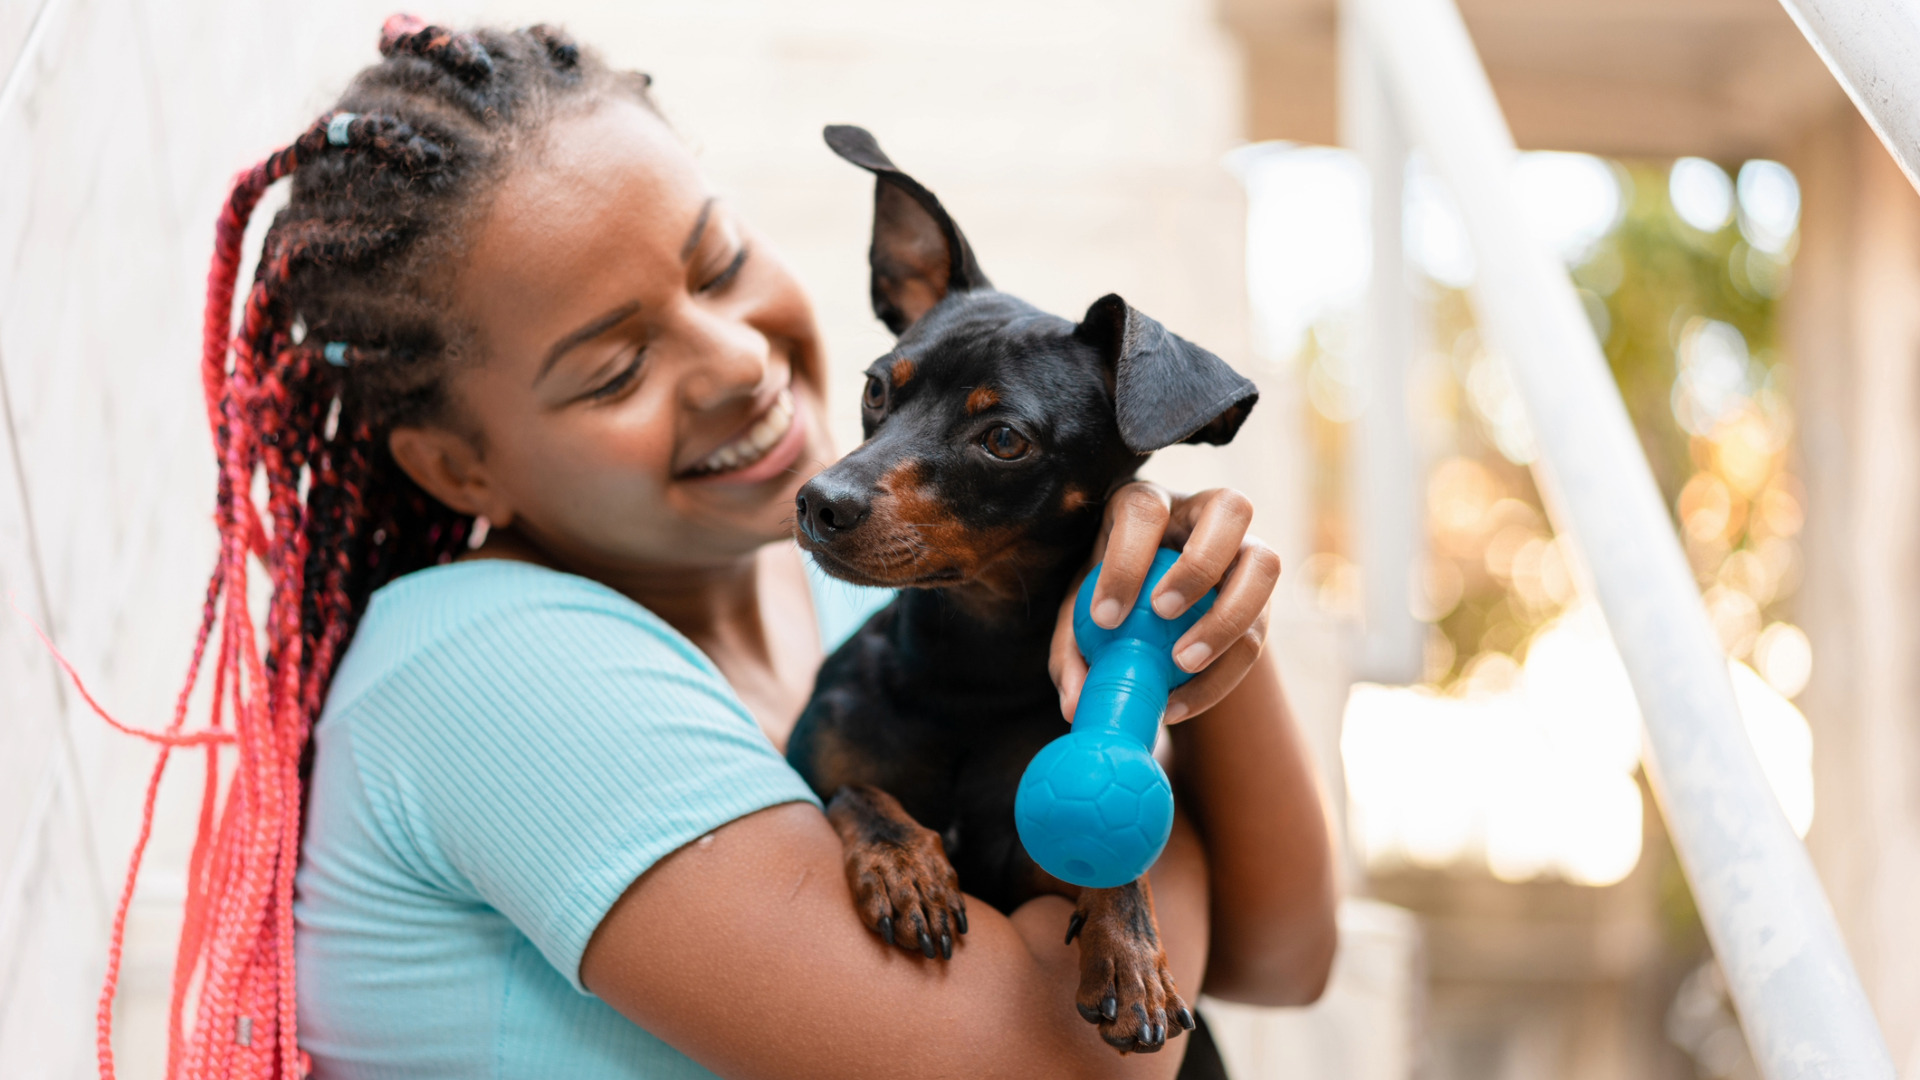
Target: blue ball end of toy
[{"x": 1094, "y": 809}]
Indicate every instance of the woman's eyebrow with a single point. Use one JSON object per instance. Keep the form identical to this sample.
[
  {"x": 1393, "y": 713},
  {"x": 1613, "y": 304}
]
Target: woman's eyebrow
[
  {"x": 699, "y": 229},
  {"x": 588, "y": 332}
]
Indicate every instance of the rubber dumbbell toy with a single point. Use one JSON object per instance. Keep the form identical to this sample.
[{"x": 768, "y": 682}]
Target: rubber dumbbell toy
[{"x": 1094, "y": 808}]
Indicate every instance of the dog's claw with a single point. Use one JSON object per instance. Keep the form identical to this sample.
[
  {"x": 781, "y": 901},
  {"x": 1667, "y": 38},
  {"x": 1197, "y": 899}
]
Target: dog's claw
[
  {"x": 1074, "y": 925},
  {"x": 1109, "y": 1007},
  {"x": 1087, "y": 1012},
  {"x": 946, "y": 946},
  {"x": 960, "y": 918},
  {"x": 926, "y": 945},
  {"x": 886, "y": 929},
  {"x": 1184, "y": 1018}
]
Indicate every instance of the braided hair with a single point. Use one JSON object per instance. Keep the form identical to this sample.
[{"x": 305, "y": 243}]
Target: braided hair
[{"x": 341, "y": 338}]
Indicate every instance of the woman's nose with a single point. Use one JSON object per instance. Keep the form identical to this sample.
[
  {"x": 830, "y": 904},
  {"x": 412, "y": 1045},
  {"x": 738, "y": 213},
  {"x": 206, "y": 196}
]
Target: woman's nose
[{"x": 730, "y": 360}]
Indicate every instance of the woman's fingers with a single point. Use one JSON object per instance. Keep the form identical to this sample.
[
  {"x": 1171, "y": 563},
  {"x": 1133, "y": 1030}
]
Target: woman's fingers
[
  {"x": 1064, "y": 662},
  {"x": 1136, "y": 520},
  {"x": 1214, "y": 524},
  {"x": 1239, "y": 609},
  {"x": 1208, "y": 688}
]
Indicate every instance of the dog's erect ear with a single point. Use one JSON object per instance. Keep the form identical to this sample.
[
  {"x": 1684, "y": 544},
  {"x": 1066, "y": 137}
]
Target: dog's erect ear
[
  {"x": 1166, "y": 389},
  {"x": 918, "y": 255}
]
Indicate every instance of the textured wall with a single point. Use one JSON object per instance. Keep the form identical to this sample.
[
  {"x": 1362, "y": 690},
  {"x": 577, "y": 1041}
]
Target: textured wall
[{"x": 1077, "y": 141}]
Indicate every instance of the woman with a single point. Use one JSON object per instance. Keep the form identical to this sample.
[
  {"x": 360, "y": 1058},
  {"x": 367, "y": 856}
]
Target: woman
[{"x": 548, "y": 828}]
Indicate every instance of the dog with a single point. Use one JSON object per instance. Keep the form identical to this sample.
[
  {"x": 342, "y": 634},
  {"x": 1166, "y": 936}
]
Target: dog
[{"x": 993, "y": 434}]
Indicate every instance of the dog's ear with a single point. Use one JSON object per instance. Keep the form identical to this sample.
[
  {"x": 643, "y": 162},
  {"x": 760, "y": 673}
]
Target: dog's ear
[
  {"x": 1166, "y": 389},
  {"x": 918, "y": 254}
]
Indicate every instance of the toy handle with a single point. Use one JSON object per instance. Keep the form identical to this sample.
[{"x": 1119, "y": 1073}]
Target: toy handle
[{"x": 1130, "y": 668}]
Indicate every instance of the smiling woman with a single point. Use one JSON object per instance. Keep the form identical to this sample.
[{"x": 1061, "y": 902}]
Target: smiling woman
[{"x": 545, "y": 827}]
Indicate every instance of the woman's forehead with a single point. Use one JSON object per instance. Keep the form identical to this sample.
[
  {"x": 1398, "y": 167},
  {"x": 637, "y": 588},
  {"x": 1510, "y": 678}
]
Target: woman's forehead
[{"x": 601, "y": 205}]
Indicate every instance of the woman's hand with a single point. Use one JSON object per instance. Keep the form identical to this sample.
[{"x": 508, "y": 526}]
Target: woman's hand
[{"x": 1210, "y": 529}]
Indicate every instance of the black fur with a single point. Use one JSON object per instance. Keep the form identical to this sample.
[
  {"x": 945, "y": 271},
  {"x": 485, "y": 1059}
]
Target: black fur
[{"x": 943, "y": 697}]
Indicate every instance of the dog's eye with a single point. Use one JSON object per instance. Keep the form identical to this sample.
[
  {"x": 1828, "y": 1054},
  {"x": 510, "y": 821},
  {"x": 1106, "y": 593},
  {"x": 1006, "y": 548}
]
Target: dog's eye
[
  {"x": 875, "y": 396},
  {"x": 1005, "y": 443}
]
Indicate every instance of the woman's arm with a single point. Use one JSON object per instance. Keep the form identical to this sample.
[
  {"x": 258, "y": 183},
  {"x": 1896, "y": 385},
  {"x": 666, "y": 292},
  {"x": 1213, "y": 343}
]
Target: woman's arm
[
  {"x": 744, "y": 951},
  {"x": 1242, "y": 769}
]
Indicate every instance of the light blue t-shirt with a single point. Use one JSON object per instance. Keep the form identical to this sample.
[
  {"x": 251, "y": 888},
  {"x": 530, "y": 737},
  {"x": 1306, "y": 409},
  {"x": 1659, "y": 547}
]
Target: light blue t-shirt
[{"x": 504, "y": 749}]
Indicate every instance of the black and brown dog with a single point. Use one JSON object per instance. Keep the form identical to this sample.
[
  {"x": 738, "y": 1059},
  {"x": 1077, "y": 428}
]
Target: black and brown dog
[{"x": 994, "y": 432}]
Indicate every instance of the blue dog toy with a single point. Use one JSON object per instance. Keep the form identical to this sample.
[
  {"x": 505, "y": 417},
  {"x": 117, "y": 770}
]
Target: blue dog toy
[{"x": 1094, "y": 808}]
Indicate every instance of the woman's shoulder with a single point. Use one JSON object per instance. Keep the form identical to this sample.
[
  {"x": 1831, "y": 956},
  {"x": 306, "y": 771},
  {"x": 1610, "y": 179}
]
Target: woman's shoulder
[{"x": 495, "y": 621}]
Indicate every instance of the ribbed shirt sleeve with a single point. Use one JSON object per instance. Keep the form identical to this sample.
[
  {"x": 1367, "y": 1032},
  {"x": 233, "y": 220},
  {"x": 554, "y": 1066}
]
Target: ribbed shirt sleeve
[{"x": 544, "y": 756}]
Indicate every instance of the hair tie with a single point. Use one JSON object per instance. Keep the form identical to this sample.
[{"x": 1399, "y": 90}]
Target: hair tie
[
  {"x": 337, "y": 127},
  {"x": 336, "y": 353}
]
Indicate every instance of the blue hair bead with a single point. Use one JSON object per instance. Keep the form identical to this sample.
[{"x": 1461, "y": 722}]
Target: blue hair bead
[
  {"x": 336, "y": 353},
  {"x": 337, "y": 127}
]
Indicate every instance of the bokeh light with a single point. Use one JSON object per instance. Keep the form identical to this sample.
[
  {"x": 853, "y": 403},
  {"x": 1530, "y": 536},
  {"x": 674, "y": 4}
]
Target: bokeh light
[
  {"x": 1769, "y": 205},
  {"x": 1528, "y": 769},
  {"x": 1307, "y": 237},
  {"x": 1701, "y": 193},
  {"x": 1435, "y": 237},
  {"x": 1569, "y": 200}
]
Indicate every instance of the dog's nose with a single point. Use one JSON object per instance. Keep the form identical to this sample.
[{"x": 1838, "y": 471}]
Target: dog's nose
[{"x": 827, "y": 508}]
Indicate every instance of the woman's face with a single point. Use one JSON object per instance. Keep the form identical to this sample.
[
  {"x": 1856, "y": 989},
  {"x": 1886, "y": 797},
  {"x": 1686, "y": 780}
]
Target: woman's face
[{"x": 649, "y": 389}]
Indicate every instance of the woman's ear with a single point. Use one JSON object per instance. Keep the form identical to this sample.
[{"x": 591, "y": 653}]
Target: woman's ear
[
  {"x": 918, "y": 254},
  {"x": 1166, "y": 389},
  {"x": 450, "y": 468}
]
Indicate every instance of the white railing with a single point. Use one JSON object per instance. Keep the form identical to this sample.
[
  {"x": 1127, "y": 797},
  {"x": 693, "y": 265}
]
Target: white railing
[
  {"x": 1873, "y": 48},
  {"x": 1771, "y": 927}
]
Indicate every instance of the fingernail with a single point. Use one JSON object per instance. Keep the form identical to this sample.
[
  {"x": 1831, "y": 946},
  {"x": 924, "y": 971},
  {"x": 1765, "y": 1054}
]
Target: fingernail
[
  {"x": 1168, "y": 603},
  {"x": 1195, "y": 655},
  {"x": 1176, "y": 712},
  {"x": 1107, "y": 613}
]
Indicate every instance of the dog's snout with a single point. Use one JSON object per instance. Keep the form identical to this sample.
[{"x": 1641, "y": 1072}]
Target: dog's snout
[{"x": 826, "y": 509}]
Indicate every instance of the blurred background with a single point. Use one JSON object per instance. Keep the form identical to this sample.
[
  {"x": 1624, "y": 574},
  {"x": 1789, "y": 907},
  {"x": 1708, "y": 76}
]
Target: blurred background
[{"x": 1747, "y": 252}]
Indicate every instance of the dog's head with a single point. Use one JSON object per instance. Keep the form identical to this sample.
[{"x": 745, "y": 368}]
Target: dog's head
[{"x": 994, "y": 430}]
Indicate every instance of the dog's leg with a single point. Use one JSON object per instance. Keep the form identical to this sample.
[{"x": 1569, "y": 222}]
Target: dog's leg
[
  {"x": 1125, "y": 985},
  {"x": 903, "y": 885}
]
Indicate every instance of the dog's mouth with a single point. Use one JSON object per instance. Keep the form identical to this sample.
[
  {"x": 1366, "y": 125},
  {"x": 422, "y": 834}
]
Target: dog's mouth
[{"x": 896, "y": 573}]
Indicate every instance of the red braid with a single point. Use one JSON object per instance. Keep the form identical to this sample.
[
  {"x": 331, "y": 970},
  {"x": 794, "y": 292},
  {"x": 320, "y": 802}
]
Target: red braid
[{"x": 237, "y": 937}]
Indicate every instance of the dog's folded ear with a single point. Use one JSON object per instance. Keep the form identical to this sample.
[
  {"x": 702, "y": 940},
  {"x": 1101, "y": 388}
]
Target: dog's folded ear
[
  {"x": 918, "y": 254},
  {"x": 1166, "y": 389}
]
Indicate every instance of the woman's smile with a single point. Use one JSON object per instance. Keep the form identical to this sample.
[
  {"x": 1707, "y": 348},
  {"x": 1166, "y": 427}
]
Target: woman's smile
[{"x": 768, "y": 447}]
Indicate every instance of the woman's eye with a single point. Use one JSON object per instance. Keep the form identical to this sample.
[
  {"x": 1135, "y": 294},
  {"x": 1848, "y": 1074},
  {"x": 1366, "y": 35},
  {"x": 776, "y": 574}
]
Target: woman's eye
[
  {"x": 1005, "y": 443},
  {"x": 875, "y": 395},
  {"x": 620, "y": 381},
  {"x": 725, "y": 277}
]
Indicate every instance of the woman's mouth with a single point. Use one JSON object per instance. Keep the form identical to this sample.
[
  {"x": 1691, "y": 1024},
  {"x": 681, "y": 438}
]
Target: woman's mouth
[{"x": 765, "y": 450}]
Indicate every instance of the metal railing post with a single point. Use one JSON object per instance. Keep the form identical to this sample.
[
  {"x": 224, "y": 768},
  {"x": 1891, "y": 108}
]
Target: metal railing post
[
  {"x": 1873, "y": 49},
  {"x": 1389, "y": 529},
  {"x": 1772, "y": 929}
]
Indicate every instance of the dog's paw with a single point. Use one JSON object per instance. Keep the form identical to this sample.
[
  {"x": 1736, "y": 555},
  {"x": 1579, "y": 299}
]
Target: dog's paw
[
  {"x": 1125, "y": 985},
  {"x": 907, "y": 891}
]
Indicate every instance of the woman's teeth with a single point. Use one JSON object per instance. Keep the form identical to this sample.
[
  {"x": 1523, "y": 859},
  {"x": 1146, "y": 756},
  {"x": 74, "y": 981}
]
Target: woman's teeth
[{"x": 754, "y": 445}]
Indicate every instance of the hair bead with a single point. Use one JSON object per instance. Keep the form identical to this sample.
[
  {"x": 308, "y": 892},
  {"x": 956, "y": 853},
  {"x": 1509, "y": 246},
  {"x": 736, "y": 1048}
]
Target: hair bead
[
  {"x": 336, "y": 353},
  {"x": 337, "y": 127}
]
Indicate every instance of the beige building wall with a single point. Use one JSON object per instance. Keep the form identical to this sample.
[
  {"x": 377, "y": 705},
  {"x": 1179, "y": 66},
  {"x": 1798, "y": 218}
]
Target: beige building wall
[
  {"x": 1854, "y": 320},
  {"x": 1077, "y": 141}
]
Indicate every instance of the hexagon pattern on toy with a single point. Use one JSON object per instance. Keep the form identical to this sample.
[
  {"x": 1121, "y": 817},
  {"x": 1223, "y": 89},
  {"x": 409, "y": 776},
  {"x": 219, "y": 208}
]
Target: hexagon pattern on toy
[{"x": 1094, "y": 810}]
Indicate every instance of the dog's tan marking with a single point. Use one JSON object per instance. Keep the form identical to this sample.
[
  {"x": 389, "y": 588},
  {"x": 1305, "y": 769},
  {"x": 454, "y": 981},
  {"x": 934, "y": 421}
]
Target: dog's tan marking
[
  {"x": 902, "y": 370},
  {"x": 982, "y": 399},
  {"x": 1074, "y": 499}
]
